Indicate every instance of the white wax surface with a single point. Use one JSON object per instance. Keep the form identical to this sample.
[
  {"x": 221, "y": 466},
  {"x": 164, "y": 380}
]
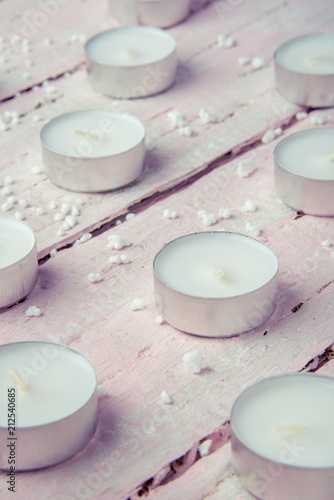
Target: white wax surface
[
  {"x": 292, "y": 401},
  {"x": 313, "y": 54},
  {"x": 188, "y": 264},
  {"x": 308, "y": 153},
  {"x": 130, "y": 46},
  {"x": 58, "y": 387},
  {"x": 109, "y": 133},
  {"x": 16, "y": 241}
]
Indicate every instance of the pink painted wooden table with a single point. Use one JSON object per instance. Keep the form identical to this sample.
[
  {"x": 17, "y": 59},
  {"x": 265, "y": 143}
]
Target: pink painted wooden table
[{"x": 142, "y": 447}]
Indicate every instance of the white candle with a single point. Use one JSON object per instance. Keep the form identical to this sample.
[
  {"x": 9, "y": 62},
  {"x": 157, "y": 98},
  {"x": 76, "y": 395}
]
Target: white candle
[
  {"x": 159, "y": 13},
  {"x": 18, "y": 260},
  {"x": 55, "y": 397},
  {"x": 304, "y": 171},
  {"x": 312, "y": 54},
  {"x": 131, "y": 62},
  {"x": 215, "y": 265},
  {"x": 93, "y": 150},
  {"x": 288, "y": 420},
  {"x": 305, "y": 69},
  {"x": 215, "y": 283}
]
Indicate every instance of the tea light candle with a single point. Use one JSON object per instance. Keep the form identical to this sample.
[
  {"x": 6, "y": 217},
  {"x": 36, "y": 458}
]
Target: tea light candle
[
  {"x": 159, "y": 13},
  {"x": 18, "y": 260},
  {"x": 93, "y": 150},
  {"x": 282, "y": 439},
  {"x": 304, "y": 70},
  {"x": 304, "y": 171},
  {"x": 215, "y": 284},
  {"x": 55, "y": 404},
  {"x": 131, "y": 62}
]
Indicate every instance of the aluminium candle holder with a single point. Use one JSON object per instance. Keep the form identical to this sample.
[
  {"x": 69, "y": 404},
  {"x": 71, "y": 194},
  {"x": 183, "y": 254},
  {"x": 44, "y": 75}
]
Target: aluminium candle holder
[
  {"x": 302, "y": 86},
  {"x": 158, "y": 13},
  {"x": 52, "y": 441},
  {"x": 268, "y": 478},
  {"x": 126, "y": 78},
  {"x": 216, "y": 316},
  {"x": 19, "y": 274},
  {"x": 311, "y": 195},
  {"x": 86, "y": 173}
]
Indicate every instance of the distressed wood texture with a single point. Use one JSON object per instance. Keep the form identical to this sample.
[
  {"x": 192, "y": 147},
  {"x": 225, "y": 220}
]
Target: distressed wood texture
[{"x": 143, "y": 448}]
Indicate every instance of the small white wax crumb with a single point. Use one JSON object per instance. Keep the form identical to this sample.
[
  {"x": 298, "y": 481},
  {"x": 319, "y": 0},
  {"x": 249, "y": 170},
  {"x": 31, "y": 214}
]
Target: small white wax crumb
[
  {"x": 278, "y": 131},
  {"x": 176, "y": 118},
  {"x": 66, "y": 226},
  {"x": 317, "y": 120},
  {"x": 53, "y": 252},
  {"x": 101, "y": 390},
  {"x": 118, "y": 222},
  {"x": 8, "y": 180},
  {"x": 80, "y": 202},
  {"x": 59, "y": 217},
  {"x": 159, "y": 320},
  {"x": 204, "y": 448},
  {"x": 165, "y": 397},
  {"x": 246, "y": 168},
  {"x": 85, "y": 237},
  {"x": 115, "y": 242},
  {"x": 136, "y": 305},
  {"x": 326, "y": 243},
  {"x": 332, "y": 254},
  {"x": 25, "y": 75},
  {"x": 185, "y": 131},
  {"x": 249, "y": 206},
  {"x": 53, "y": 204},
  {"x": 19, "y": 215},
  {"x": 6, "y": 191},
  {"x": 67, "y": 74},
  {"x": 94, "y": 277},
  {"x": 40, "y": 211},
  {"x": 125, "y": 259},
  {"x": 35, "y": 118},
  {"x": 225, "y": 41},
  {"x": 224, "y": 213},
  {"x": 130, "y": 216},
  {"x": 11, "y": 199},
  {"x": 169, "y": 214},
  {"x": 70, "y": 220},
  {"x": 258, "y": 62},
  {"x": 243, "y": 60},
  {"x": 75, "y": 211},
  {"x": 65, "y": 208},
  {"x": 194, "y": 362},
  {"x": 301, "y": 115},
  {"x": 36, "y": 170},
  {"x": 23, "y": 203},
  {"x": 253, "y": 230},
  {"x": 33, "y": 311},
  {"x": 60, "y": 232},
  {"x": 206, "y": 117},
  {"x": 268, "y": 136},
  {"x": 208, "y": 219}
]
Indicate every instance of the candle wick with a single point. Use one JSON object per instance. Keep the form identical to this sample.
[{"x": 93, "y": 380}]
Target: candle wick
[
  {"x": 20, "y": 382},
  {"x": 315, "y": 60},
  {"x": 331, "y": 157},
  {"x": 290, "y": 428},
  {"x": 83, "y": 133},
  {"x": 128, "y": 52},
  {"x": 219, "y": 273}
]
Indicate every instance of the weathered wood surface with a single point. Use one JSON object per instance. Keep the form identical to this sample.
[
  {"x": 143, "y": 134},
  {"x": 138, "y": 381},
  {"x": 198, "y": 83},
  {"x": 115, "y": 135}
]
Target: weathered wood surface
[{"x": 139, "y": 439}]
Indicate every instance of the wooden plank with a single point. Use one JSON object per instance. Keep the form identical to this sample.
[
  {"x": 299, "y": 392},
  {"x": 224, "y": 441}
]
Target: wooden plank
[
  {"x": 245, "y": 105},
  {"x": 136, "y": 359}
]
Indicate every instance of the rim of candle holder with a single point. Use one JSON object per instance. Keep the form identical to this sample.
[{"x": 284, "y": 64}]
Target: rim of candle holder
[
  {"x": 292, "y": 476},
  {"x": 96, "y": 173},
  {"x": 160, "y": 9},
  {"x": 21, "y": 276},
  {"x": 197, "y": 315},
  {"x": 302, "y": 193},
  {"x": 128, "y": 82},
  {"x": 63, "y": 427},
  {"x": 301, "y": 87}
]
